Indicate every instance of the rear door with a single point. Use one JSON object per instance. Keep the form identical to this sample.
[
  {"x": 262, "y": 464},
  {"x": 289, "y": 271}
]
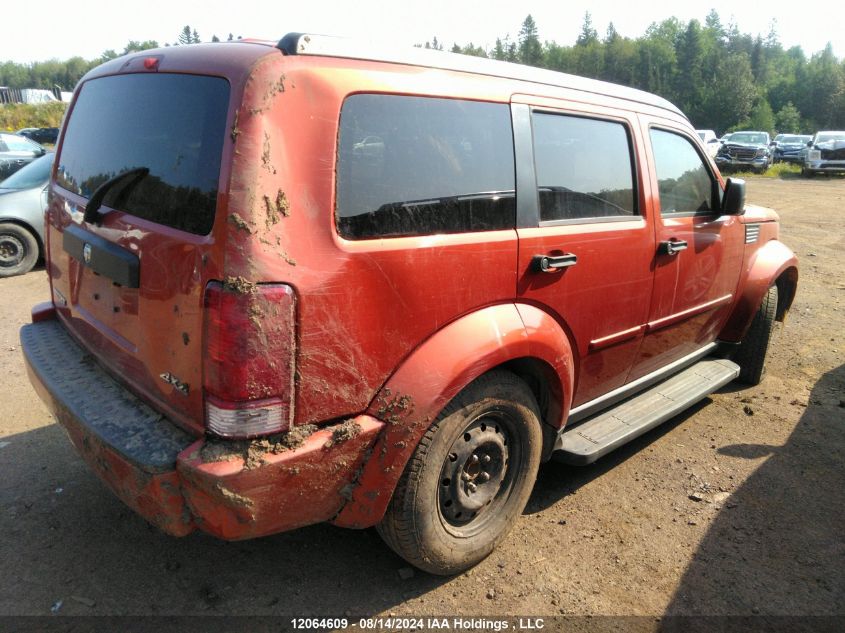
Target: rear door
[
  {"x": 128, "y": 278},
  {"x": 698, "y": 255},
  {"x": 585, "y": 243}
]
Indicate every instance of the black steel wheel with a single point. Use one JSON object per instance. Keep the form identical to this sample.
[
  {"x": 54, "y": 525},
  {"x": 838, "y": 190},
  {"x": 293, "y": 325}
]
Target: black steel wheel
[
  {"x": 469, "y": 478},
  {"x": 18, "y": 250}
]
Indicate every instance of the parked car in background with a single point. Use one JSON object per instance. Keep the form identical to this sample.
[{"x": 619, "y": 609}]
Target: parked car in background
[
  {"x": 23, "y": 198},
  {"x": 745, "y": 150},
  {"x": 15, "y": 152},
  {"x": 789, "y": 148},
  {"x": 41, "y": 134},
  {"x": 825, "y": 154},
  {"x": 710, "y": 140}
]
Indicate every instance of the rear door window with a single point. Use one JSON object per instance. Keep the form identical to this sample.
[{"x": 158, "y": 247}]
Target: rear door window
[
  {"x": 171, "y": 125},
  {"x": 420, "y": 166},
  {"x": 584, "y": 168}
]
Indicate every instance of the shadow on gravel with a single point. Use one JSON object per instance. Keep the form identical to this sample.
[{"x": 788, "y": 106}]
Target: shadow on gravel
[
  {"x": 557, "y": 480},
  {"x": 69, "y": 542},
  {"x": 777, "y": 546}
]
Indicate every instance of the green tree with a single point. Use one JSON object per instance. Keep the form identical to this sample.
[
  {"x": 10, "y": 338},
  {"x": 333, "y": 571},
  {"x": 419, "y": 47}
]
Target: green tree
[
  {"x": 135, "y": 47},
  {"x": 530, "y": 50},
  {"x": 588, "y": 35},
  {"x": 689, "y": 84},
  {"x": 434, "y": 44},
  {"x": 713, "y": 24},
  {"x": 470, "y": 49},
  {"x": 788, "y": 119},
  {"x": 762, "y": 118},
  {"x": 731, "y": 96},
  {"x": 620, "y": 58},
  {"x": 656, "y": 64},
  {"x": 185, "y": 37},
  {"x": 823, "y": 84}
]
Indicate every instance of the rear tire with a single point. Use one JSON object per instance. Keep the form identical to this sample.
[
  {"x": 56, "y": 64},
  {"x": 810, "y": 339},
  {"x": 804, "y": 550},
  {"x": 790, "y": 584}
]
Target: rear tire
[
  {"x": 18, "y": 250},
  {"x": 469, "y": 478},
  {"x": 752, "y": 352}
]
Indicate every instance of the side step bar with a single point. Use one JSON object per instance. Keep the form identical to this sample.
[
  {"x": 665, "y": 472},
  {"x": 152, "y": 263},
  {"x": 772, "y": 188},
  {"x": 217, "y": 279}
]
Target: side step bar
[{"x": 595, "y": 437}]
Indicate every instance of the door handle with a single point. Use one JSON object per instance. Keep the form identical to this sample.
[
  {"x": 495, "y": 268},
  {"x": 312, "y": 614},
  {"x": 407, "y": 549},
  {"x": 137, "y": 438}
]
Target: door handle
[
  {"x": 554, "y": 263},
  {"x": 672, "y": 247}
]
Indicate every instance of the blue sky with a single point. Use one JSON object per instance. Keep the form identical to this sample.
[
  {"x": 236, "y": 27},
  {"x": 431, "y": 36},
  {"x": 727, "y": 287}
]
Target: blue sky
[{"x": 54, "y": 29}]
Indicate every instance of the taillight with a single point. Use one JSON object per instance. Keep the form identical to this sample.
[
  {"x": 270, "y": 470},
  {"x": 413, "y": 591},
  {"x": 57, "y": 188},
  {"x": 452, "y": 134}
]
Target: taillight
[{"x": 249, "y": 358}]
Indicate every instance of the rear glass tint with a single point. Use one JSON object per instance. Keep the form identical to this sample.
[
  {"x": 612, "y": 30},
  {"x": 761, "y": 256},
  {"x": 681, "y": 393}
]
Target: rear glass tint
[
  {"x": 419, "y": 165},
  {"x": 584, "y": 168},
  {"x": 171, "y": 125}
]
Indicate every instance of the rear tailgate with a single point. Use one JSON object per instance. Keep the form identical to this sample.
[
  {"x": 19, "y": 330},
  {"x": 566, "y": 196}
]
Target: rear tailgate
[{"x": 128, "y": 278}]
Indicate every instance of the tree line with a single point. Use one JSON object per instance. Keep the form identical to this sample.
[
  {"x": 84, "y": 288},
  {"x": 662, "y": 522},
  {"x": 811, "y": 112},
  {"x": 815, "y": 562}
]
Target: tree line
[
  {"x": 64, "y": 75},
  {"x": 721, "y": 78}
]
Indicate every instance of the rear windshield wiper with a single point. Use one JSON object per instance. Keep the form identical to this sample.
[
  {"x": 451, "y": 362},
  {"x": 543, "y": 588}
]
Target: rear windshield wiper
[{"x": 130, "y": 178}]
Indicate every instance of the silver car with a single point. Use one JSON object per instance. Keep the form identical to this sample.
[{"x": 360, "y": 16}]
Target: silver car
[
  {"x": 15, "y": 152},
  {"x": 825, "y": 154},
  {"x": 23, "y": 198}
]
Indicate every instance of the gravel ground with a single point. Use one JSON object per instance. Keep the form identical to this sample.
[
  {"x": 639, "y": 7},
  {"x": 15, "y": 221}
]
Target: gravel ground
[{"x": 735, "y": 507}]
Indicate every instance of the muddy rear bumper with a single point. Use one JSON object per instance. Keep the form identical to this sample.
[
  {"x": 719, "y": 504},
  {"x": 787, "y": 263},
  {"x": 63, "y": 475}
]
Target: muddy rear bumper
[{"x": 164, "y": 474}]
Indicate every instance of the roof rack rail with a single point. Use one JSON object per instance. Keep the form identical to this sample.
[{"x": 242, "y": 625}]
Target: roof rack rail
[
  {"x": 289, "y": 43},
  {"x": 350, "y": 48}
]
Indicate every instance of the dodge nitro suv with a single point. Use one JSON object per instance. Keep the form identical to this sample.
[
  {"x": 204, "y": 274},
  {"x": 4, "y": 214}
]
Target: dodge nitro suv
[{"x": 316, "y": 281}]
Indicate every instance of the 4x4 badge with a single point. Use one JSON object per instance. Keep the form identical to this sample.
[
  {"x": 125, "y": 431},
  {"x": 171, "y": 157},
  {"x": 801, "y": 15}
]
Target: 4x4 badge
[
  {"x": 86, "y": 253},
  {"x": 170, "y": 379}
]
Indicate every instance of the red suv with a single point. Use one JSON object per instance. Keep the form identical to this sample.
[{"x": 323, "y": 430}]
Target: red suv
[{"x": 315, "y": 282}]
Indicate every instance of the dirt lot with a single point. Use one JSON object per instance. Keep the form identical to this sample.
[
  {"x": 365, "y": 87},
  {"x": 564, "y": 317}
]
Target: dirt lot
[{"x": 736, "y": 507}]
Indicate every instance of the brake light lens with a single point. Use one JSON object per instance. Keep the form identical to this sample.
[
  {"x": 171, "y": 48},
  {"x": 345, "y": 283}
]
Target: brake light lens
[{"x": 249, "y": 358}]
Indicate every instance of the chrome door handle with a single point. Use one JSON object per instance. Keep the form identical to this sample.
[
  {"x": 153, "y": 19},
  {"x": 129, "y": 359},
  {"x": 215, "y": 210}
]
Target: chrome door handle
[
  {"x": 554, "y": 263},
  {"x": 672, "y": 247}
]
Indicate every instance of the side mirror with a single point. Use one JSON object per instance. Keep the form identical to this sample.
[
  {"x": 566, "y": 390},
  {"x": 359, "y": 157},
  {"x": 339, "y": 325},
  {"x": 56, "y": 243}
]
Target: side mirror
[
  {"x": 733, "y": 203},
  {"x": 809, "y": 143}
]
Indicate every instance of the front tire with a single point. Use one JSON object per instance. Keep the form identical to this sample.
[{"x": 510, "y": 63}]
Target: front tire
[
  {"x": 469, "y": 478},
  {"x": 752, "y": 352},
  {"x": 18, "y": 250}
]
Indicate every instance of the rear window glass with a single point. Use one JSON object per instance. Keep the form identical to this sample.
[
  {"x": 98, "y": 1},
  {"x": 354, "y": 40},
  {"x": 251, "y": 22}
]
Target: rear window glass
[
  {"x": 171, "y": 125},
  {"x": 419, "y": 165},
  {"x": 584, "y": 168},
  {"x": 36, "y": 174}
]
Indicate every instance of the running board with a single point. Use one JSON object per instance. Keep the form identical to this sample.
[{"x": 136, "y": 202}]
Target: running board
[{"x": 595, "y": 437}]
